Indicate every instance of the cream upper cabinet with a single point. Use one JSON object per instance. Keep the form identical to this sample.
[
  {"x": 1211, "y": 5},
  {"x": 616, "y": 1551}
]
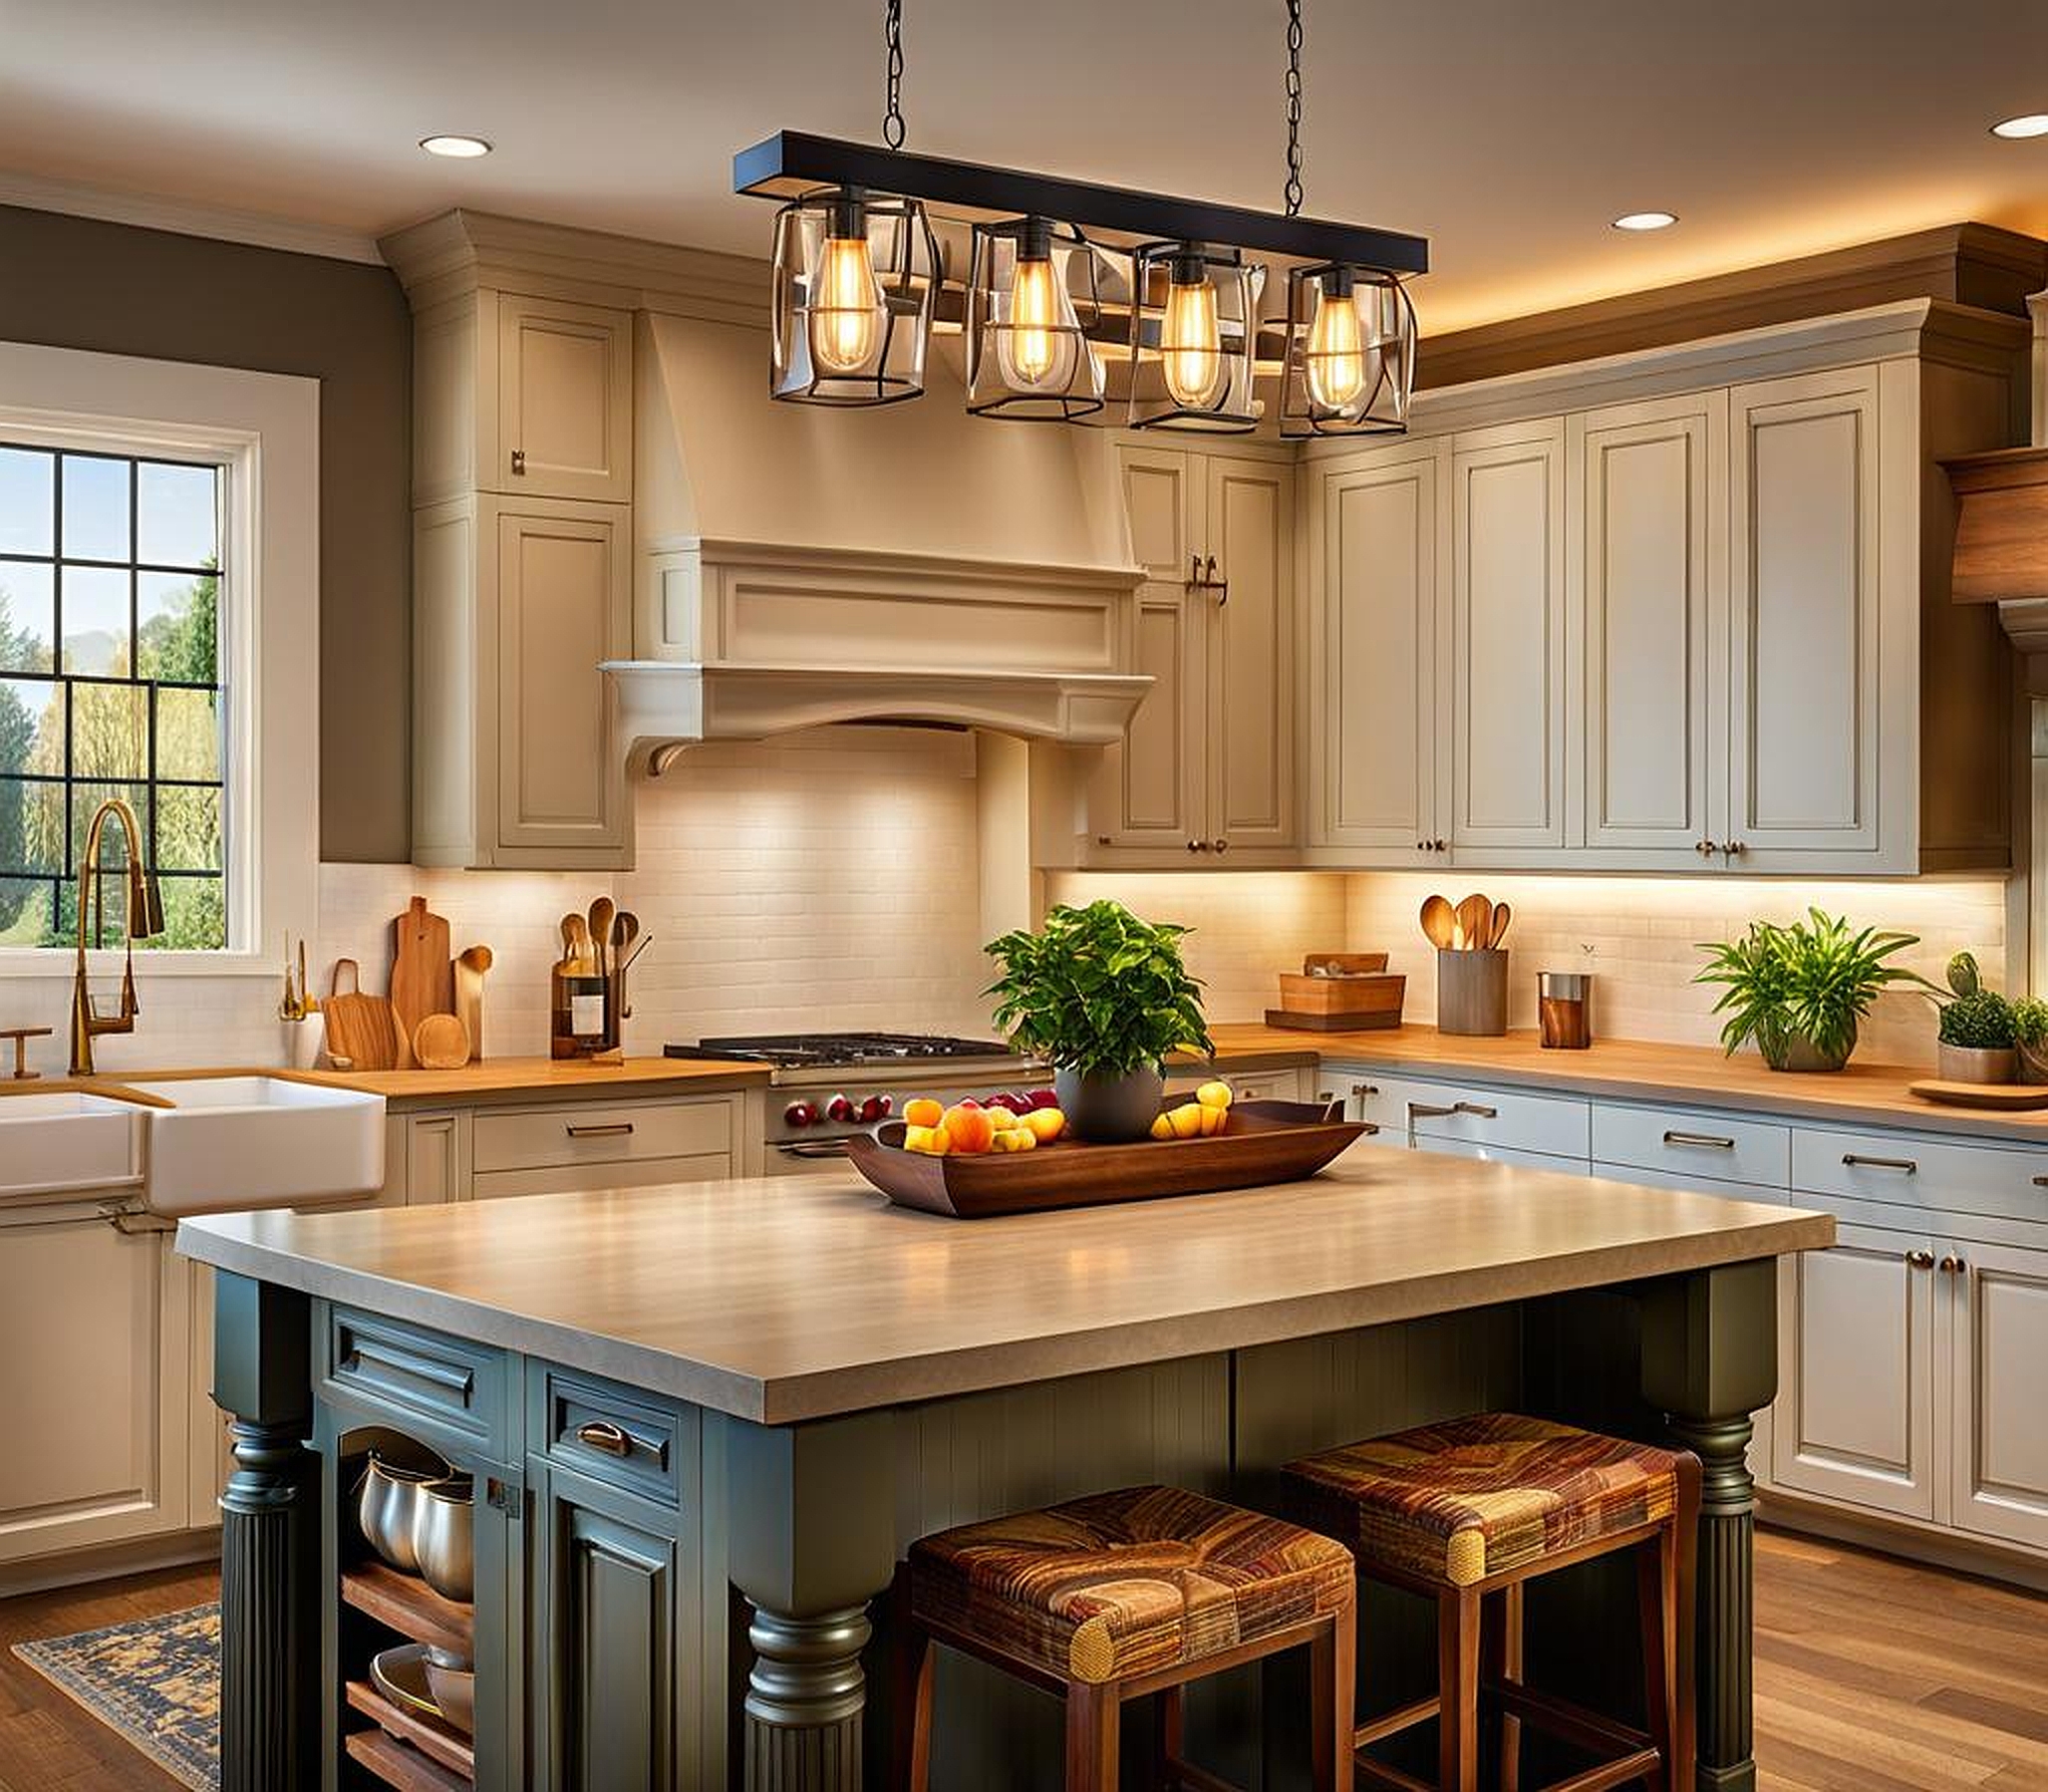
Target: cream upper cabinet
[
  {"x": 1508, "y": 651},
  {"x": 1999, "y": 1446},
  {"x": 1809, "y": 695},
  {"x": 1207, "y": 765},
  {"x": 1379, "y": 659},
  {"x": 1647, "y": 563},
  {"x": 565, "y": 400}
]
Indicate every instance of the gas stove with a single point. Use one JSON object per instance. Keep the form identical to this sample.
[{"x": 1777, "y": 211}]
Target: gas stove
[{"x": 841, "y": 1083}]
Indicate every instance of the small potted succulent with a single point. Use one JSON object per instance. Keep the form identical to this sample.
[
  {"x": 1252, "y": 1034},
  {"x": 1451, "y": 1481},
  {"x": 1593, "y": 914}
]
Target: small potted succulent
[
  {"x": 2030, "y": 1035},
  {"x": 1977, "y": 1039},
  {"x": 1800, "y": 991},
  {"x": 1104, "y": 998}
]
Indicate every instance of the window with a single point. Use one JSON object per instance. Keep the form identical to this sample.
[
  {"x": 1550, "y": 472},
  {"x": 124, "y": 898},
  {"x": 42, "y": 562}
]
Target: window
[{"x": 111, "y": 596}]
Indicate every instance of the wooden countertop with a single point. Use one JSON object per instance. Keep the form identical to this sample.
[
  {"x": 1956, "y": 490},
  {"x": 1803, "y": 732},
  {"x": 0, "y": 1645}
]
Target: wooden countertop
[
  {"x": 1633, "y": 1070},
  {"x": 784, "y": 1299}
]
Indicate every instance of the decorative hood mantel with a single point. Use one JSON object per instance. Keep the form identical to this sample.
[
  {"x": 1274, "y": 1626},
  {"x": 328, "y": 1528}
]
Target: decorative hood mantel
[
  {"x": 904, "y": 564},
  {"x": 2001, "y": 517}
]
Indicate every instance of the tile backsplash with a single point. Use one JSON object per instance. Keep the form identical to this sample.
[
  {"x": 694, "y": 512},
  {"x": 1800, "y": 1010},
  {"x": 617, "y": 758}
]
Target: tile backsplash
[{"x": 828, "y": 879}]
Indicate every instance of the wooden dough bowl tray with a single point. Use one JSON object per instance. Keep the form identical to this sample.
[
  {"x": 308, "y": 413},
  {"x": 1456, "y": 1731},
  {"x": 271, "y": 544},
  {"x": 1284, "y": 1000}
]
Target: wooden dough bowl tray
[{"x": 1261, "y": 1142}]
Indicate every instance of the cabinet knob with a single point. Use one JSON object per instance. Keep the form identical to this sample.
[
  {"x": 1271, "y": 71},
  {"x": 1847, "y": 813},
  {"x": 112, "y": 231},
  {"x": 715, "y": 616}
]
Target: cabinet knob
[
  {"x": 1705, "y": 848},
  {"x": 1920, "y": 1260},
  {"x": 1194, "y": 845},
  {"x": 520, "y": 461},
  {"x": 1733, "y": 848},
  {"x": 1954, "y": 1266},
  {"x": 1194, "y": 570},
  {"x": 1438, "y": 846},
  {"x": 1219, "y": 845}
]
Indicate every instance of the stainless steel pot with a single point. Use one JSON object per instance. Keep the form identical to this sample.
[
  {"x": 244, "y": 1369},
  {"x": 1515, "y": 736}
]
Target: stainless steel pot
[
  {"x": 444, "y": 1537},
  {"x": 385, "y": 1503}
]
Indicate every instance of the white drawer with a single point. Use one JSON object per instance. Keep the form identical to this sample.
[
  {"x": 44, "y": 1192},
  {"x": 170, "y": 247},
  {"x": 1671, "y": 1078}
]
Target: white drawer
[
  {"x": 1693, "y": 1144},
  {"x": 1472, "y": 1112},
  {"x": 588, "y": 1132},
  {"x": 1910, "y": 1170}
]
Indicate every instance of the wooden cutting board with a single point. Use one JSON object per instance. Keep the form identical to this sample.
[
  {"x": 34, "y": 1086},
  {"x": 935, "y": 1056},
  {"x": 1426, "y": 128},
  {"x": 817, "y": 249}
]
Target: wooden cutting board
[
  {"x": 2012, "y": 1098},
  {"x": 423, "y": 976},
  {"x": 361, "y": 1028}
]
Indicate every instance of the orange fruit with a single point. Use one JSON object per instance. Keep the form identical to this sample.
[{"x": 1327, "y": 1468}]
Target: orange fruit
[
  {"x": 1044, "y": 1125},
  {"x": 1214, "y": 1094},
  {"x": 970, "y": 1130},
  {"x": 922, "y": 1110}
]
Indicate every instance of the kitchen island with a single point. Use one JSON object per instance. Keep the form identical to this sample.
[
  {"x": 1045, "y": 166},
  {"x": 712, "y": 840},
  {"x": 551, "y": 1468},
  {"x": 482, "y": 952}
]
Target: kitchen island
[{"x": 705, "y": 1421}]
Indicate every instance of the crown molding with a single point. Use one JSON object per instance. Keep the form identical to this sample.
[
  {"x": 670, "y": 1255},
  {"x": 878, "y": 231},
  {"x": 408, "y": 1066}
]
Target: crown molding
[{"x": 185, "y": 218}]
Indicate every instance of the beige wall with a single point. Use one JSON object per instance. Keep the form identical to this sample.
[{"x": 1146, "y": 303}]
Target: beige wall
[{"x": 79, "y": 283}]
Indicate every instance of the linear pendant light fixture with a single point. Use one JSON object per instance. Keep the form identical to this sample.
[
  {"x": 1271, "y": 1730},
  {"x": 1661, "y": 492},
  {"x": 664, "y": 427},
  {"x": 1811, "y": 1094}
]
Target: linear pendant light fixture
[{"x": 1057, "y": 270}]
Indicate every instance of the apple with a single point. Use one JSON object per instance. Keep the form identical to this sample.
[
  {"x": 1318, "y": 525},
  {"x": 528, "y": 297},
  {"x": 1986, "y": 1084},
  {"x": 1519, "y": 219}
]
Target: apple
[{"x": 1044, "y": 1097}]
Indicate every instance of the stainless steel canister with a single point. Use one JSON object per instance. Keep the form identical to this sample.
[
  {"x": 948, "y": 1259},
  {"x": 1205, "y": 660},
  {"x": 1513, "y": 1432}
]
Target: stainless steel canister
[{"x": 1564, "y": 1007}]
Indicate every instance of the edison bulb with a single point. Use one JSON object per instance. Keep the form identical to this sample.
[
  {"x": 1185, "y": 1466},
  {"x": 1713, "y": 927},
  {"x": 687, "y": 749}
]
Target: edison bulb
[
  {"x": 1190, "y": 340},
  {"x": 1030, "y": 349},
  {"x": 1333, "y": 359},
  {"x": 846, "y": 303}
]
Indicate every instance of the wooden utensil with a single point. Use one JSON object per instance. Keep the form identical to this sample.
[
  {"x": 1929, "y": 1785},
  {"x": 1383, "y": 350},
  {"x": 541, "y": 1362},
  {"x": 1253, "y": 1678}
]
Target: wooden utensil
[
  {"x": 1474, "y": 917},
  {"x": 1503, "y": 913},
  {"x": 361, "y": 1029},
  {"x": 470, "y": 970},
  {"x": 600, "y": 912},
  {"x": 441, "y": 1042},
  {"x": 625, "y": 930},
  {"x": 422, "y": 980},
  {"x": 1438, "y": 920},
  {"x": 576, "y": 938}
]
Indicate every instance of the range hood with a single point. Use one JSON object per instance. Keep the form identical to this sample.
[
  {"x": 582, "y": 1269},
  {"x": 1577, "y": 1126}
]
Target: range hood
[
  {"x": 2001, "y": 518},
  {"x": 908, "y": 563}
]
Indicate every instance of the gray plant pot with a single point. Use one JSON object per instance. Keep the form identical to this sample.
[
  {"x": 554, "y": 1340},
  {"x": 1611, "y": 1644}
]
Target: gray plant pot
[
  {"x": 1111, "y": 1110},
  {"x": 1976, "y": 1064}
]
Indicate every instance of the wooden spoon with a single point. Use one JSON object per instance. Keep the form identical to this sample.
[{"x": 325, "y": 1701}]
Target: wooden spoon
[
  {"x": 1475, "y": 918},
  {"x": 1438, "y": 918},
  {"x": 600, "y": 912},
  {"x": 576, "y": 941},
  {"x": 1503, "y": 913},
  {"x": 625, "y": 930}
]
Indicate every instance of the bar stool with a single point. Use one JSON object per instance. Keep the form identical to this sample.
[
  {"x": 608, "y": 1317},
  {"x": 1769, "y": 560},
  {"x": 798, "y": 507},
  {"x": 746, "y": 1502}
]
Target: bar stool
[
  {"x": 1108, "y": 1598},
  {"x": 1467, "y": 1513}
]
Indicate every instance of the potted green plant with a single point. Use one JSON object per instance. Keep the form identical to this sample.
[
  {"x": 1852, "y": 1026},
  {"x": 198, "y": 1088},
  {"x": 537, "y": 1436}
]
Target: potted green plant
[
  {"x": 2030, "y": 1036},
  {"x": 1977, "y": 1039},
  {"x": 1800, "y": 991},
  {"x": 1104, "y": 998}
]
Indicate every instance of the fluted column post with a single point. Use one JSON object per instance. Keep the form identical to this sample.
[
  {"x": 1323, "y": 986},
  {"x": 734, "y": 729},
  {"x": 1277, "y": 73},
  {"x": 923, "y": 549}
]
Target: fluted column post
[
  {"x": 269, "y": 1541},
  {"x": 1710, "y": 1360}
]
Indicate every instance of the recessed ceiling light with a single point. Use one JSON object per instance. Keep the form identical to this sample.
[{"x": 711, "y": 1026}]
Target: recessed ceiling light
[
  {"x": 2032, "y": 123},
  {"x": 461, "y": 147},
  {"x": 1645, "y": 220}
]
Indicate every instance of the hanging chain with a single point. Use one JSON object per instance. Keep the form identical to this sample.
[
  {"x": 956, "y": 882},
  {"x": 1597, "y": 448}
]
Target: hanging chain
[
  {"x": 892, "y": 35},
  {"x": 1294, "y": 186}
]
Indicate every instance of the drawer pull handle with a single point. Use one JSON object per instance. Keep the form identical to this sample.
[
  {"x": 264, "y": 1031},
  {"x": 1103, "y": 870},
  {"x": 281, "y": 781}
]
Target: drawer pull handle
[
  {"x": 1372, "y": 1088},
  {"x": 2041, "y": 1181},
  {"x": 602, "y": 1434},
  {"x": 1422, "y": 1110},
  {"x": 616, "y": 1129},
  {"x": 458, "y": 1382},
  {"x": 1920, "y": 1260},
  {"x": 1904, "y": 1165},
  {"x": 1706, "y": 1140}
]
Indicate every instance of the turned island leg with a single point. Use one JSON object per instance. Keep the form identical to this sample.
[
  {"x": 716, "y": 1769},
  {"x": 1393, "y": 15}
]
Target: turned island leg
[
  {"x": 269, "y": 1541},
  {"x": 1710, "y": 1360}
]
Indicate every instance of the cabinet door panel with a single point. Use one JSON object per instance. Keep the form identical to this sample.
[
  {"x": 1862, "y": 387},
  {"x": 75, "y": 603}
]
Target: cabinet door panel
[
  {"x": 1383, "y": 533},
  {"x": 1855, "y": 1420},
  {"x": 565, "y": 400},
  {"x": 94, "y": 1322},
  {"x": 1509, "y": 643},
  {"x": 1160, "y": 505},
  {"x": 1803, "y": 662},
  {"x": 2000, "y": 1419},
  {"x": 1250, "y": 737},
  {"x": 1649, "y": 525},
  {"x": 562, "y": 609}
]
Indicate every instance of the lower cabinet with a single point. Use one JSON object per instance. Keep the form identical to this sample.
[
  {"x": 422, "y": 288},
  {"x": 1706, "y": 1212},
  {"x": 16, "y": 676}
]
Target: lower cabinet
[{"x": 1997, "y": 1299}]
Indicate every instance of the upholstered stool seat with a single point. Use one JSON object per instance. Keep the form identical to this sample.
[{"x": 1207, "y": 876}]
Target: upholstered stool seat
[
  {"x": 1476, "y": 1507},
  {"x": 1116, "y": 1595}
]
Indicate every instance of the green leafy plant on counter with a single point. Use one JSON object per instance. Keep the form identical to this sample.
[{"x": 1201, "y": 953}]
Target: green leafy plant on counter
[
  {"x": 2030, "y": 1023},
  {"x": 1097, "y": 991},
  {"x": 1807, "y": 985},
  {"x": 1978, "y": 1020}
]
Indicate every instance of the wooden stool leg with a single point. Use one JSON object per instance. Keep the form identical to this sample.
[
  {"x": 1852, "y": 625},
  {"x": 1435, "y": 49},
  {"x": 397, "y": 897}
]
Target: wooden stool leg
[
  {"x": 910, "y": 1696},
  {"x": 1168, "y": 1736},
  {"x": 1093, "y": 1716},
  {"x": 1500, "y": 1658},
  {"x": 1685, "y": 1707},
  {"x": 1334, "y": 1683},
  {"x": 1657, "y": 1598},
  {"x": 1457, "y": 1666}
]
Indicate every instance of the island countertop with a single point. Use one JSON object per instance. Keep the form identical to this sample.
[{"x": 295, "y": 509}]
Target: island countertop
[{"x": 780, "y": 1300}]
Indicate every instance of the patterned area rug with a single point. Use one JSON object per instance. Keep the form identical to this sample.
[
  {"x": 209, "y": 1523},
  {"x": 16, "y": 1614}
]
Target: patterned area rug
[{"x": 155, "y": 1683}]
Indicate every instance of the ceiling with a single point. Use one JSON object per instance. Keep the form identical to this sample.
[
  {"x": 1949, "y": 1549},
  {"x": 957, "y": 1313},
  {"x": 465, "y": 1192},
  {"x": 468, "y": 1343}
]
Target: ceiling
[{"x": 1508, "y": 133}]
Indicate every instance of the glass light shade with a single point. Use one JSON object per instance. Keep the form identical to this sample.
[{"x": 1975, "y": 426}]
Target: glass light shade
[
  {"x": 1028, "y": 352},
  {"x": 1194, "y": 324},
  {"x": 1351, "y": 352},
  {"x": 856, "y": 286}
]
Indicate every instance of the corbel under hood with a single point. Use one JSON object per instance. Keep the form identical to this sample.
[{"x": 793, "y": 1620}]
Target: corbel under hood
[{"x": 908, "y": 563}]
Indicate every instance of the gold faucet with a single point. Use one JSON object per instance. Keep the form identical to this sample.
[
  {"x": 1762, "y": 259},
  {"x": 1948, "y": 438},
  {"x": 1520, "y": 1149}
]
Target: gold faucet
[{"x": 142, "y": 919}]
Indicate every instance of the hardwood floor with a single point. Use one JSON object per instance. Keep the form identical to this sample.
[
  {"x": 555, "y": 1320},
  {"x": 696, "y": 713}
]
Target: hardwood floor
[
  {"x": 48, "y": 1744},
  {"x": 1872, "y": 1675}
]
